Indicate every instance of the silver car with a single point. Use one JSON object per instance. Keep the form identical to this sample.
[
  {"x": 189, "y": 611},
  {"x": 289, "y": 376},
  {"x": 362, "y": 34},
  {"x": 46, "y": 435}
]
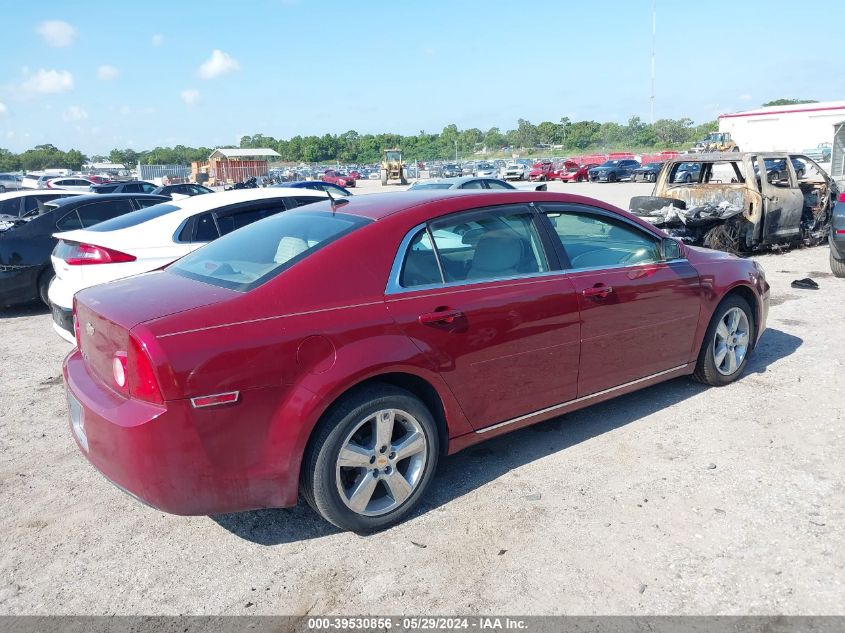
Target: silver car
[{"x": 10, "y": 182}]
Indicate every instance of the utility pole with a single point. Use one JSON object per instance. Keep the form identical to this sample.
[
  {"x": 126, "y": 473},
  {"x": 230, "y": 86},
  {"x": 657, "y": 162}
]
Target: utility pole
[
  {"x": 456, "y": 150},
  {"x": 653, "y": 40}
]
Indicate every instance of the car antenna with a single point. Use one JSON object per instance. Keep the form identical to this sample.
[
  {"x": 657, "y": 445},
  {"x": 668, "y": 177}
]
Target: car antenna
[{"x": 334, "y": 201}]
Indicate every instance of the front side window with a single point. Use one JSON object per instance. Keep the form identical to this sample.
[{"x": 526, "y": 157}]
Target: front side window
[
  {"x": 251, "y": 256},
  {"x": 475, "y": 246},
  {"x": 594, "y": 240},
  {"x": 473, "y": 184}
]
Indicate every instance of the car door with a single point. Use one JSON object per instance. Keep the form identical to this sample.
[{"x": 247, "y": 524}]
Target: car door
[
  {"x": 639, "y": 313},
  {"x": 480, "y": 293},
  {"x": 783, "y": 203}
]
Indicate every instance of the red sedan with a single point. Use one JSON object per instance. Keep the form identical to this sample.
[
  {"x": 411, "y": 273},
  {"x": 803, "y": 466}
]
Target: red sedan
[
  {"x": 542, "y": 171},
  {"x": 338, "y": 178},
  {"x": 341, "y": 351},
  {"x": 573, "y": 172}
]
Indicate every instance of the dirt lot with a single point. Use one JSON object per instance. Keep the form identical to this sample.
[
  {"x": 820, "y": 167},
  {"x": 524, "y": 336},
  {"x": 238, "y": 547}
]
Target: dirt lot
[{"x": 675, "y": 500}]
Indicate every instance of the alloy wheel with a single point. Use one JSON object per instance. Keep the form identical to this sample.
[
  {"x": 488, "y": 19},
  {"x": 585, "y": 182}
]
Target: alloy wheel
[
  {"x": 381, "y": 462},
  {"x": 730, "y": 342}
]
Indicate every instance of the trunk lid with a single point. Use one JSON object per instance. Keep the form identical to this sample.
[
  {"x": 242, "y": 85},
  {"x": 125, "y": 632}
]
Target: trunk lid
[{"x": 106, "y": 313}]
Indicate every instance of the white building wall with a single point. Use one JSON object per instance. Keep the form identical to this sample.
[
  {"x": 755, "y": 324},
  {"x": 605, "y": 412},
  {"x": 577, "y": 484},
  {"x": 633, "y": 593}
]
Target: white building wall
[{"x": 783, "y": 128}]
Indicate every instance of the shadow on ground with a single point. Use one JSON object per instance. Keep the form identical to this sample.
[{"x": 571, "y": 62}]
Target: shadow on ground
[
  {"x": 465, "y": 471},
  {"x": 33, "y": 308}
]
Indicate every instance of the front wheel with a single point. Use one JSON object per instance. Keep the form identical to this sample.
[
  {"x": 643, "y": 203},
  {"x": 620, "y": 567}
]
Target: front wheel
[
  {"x": 727, "y": 343},
  {"x": 371, "y": 459}
]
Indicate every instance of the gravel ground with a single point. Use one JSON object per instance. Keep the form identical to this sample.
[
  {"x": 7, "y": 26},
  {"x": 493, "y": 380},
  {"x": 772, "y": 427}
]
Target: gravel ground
[{"x": 678, "y": 499}]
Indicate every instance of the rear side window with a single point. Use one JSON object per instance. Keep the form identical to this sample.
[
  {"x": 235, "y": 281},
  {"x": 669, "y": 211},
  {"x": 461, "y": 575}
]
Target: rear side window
[
  {"x": 303, "y": 200},
  {"x": 136, "y": 217},
  {"x": 206, "y": 229},
  {"x": 132, "y": 188},
  {"x": 234, "y": 221},
  {"x": 476, "y": 246},
  {"x": 69, "y": 222},
  {"x": 106, "y": 188},
  {"x": 94, "y": 213},
  {"x": 251, "y": 256}
]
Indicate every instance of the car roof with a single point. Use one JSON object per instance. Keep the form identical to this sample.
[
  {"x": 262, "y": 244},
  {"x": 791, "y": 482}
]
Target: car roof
[
  {"x": 23, "y": 193},
  {"x": 377, "y": 207},
  {"x": 457, "y": 180},
  {"x": 87, "y": 197}
]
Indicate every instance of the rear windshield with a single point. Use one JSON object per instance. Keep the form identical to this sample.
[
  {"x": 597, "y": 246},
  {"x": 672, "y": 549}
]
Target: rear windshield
[
  {"x": 135, "y": 217},
  {"x": 252, "y": 255}
]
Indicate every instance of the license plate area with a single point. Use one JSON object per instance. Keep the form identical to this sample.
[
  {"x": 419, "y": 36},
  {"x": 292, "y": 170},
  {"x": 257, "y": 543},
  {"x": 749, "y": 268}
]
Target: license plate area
[{"x": 77, "y": 421}]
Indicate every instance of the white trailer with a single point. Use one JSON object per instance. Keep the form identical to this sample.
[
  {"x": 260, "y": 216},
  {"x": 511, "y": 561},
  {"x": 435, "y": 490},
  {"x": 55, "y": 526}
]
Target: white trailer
[{"x": 794, "y": 128}]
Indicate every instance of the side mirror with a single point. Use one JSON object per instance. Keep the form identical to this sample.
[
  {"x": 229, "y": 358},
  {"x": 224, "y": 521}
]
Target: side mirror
[{"x": 671, "y": 249}]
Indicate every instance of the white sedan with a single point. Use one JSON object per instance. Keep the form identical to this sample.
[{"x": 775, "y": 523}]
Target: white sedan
[
  {"x": 150, "y": 238},
  {"x": 70, "y": 183}
]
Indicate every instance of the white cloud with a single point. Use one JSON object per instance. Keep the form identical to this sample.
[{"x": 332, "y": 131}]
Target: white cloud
[
  {"x": 56, "y": 33},
  {"x": 3, "y": 109},
  {"x": 218, "y": 64},
  {"x": 74, "y": 113},
  {"x": 190, "y": 96},
  {"x": 158, "y": 40},
  {"x": 745, "y": 97},
  {"x": 106, "y": 72},
  {"x": 48, "y": 82}
]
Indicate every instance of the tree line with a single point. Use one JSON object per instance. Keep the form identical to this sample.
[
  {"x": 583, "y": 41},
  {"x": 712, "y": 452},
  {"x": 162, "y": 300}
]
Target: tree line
[{"x": 565, "y": 137}]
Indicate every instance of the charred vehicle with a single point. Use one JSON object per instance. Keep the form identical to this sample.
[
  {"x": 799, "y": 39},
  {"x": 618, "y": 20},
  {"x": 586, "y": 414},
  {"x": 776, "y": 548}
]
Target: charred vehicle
[{"x": 728, "y": 206}]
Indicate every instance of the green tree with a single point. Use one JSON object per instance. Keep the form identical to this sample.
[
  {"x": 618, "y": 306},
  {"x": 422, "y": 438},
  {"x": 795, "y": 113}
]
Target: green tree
[{"x": 784, "y": 102}]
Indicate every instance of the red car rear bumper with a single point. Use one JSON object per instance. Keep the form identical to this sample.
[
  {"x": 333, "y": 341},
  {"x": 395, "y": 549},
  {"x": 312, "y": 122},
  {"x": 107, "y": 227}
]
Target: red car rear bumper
[{"x": 182, "y": 460}]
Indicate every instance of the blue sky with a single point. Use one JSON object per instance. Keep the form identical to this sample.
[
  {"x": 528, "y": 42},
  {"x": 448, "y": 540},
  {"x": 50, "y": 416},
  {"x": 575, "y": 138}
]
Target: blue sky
[{"x": 95, "y": 77}]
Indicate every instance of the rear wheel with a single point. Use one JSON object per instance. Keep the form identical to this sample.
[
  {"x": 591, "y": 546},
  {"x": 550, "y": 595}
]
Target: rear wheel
[
  {"x": 837, "y": 266},
  {"x": 371, "y": 459},
  {"x": 727, "y": 343},
  {"x": 44, "y": 285}
]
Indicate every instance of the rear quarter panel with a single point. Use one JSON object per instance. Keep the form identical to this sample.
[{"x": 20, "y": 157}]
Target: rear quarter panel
[{"x": 720, "y": 273}]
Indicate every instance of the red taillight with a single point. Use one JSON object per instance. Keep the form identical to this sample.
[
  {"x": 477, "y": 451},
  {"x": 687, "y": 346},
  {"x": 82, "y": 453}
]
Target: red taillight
[
  {"x": 80, "y": 254},
  {"x": 842, "y": 197},
  {"x": 140, "y": 375}
]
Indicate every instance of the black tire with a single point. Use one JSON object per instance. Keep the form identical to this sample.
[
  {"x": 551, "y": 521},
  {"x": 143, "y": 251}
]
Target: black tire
[
  {"x": 725, "y": 237},
  {"x": 837, "y": 266},
  {"x": 705, "y": 367},
  {"x": 2, "y": 189},
  {"x": 611, "y": 177},
  {"x": 319, "y": 467},
  {"x": 44, "y": 285}
]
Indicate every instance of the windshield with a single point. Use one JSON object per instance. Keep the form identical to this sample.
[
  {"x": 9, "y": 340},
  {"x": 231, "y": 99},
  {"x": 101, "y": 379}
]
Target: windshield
[
  {"x": 252, "y": 255},
  {"x": 611, "y": 163}
]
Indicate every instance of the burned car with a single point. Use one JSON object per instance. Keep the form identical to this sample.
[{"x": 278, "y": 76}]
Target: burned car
[{"x": 727, "y": 206}]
